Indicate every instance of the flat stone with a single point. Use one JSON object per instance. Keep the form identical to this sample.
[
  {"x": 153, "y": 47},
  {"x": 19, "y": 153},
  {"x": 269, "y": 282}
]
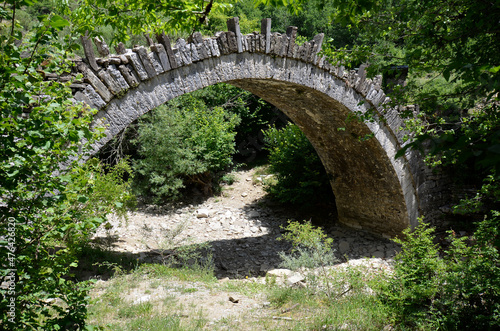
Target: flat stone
[
  {"x": 215, "y": 226},
  {"x": 203, "y": 213},
  {"x": 254, "y": 214},
  {"x": 280, "y": 272},
  {"x": 294, "y": 279},
  {"x": 344, "y": 247}
]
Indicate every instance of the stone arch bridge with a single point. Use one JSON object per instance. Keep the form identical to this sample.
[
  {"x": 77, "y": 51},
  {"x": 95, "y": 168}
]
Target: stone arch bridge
[{"x": 373, "y": 190}]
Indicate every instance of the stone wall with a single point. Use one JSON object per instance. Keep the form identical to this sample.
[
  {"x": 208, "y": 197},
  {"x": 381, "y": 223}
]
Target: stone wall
[{"x": 373, "y": 190}]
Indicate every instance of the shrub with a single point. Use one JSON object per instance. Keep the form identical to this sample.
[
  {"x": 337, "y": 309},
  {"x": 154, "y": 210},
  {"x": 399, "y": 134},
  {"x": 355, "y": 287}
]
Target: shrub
[
  {"x": 311, "y": 249},
  {"x": 180, "y": 143},
  {"x": 418, "y": 276},
  {"x": 458, "y": 291},
  {"x": 300, "y": 175},
  {"x": 255, "y": 114}
]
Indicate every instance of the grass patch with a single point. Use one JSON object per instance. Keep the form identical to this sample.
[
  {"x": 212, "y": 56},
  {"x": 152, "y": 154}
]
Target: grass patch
[
  {"x": 242, "y": 287},
  {"x": 309, "y": 308},
  {"x": 194, "y": 273}
]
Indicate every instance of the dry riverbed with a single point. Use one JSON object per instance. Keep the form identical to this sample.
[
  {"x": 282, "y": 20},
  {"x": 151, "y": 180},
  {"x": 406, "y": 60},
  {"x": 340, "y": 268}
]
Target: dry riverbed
[{"x": 241, "y": 227}]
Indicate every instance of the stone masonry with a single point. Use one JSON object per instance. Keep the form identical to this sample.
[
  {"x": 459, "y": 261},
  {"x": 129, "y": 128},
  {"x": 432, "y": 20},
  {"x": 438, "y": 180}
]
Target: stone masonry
[{"x": 373, "y": 190}]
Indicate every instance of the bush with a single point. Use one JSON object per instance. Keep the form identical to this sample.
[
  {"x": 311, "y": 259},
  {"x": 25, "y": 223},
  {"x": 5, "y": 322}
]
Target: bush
[
  {"x": 311, "y": 249},
  {"x": 183, "y": 143},
  {"x": 300, "y": 175},
  {"x": 255, "y": 114},
  {"x": 307, "y": 236},
  {"x": 418, "y": 276},
  {"x": 458, "y": 291}
]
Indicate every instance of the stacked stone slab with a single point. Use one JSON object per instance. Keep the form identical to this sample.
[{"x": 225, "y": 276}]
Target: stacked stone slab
[
  {"x": 125, "y": 85},
  {"x": 111, "y": 75}
]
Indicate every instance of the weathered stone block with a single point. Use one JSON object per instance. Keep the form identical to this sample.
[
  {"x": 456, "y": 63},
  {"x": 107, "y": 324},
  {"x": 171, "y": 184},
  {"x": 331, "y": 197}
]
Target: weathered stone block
[
  {"x": 102, "y": 47},
  {"x": 202, "y": 51},
  {"x": 265, "y": 30},
  {"x": 137, "y": 64},
  {"x": 96, "y": 101},
  {"x": 251, "y": 43},
  {"x": 95, "y": 81},
  {"x": 118, "y": 77},
  {"x": 120, "y": 48},
  {"x": 231, "y": 42},
  {"x": 318, "y": 42},
  {"x": 245, "y": 39},
  {"x": 284, "y": 45},
  {"x": 123, "y": 59},
  {"x": 185, "y": 52},
  {"x": 291, "y": 32},
  {"x": 155, "y": 60},
  {"x": 223, "y": 44},
  {"x": 146, "y": 61},
  {"x": 275, "y": 43},
  {"x": 165, "y": 41},
  {"x": 233, "y": 25},
  {"x": 196, "y": 38},
  {"x": 162, "y": 56},
  {"x": 112, "y": 84},
  {"x": 215, "y": 48},
  {"x": 129, "y": 75},
  {"x": 195, "y": 57},
  {"x": 89, "y": 52},
  {"x": 102, "y": 62},
  {"x": 261, "y": 43},
  {"x": 115, "y": 60}
]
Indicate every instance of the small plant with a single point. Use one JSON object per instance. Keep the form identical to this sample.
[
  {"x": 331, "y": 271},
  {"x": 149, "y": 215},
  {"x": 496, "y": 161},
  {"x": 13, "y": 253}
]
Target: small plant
[
  {"x": 176, "y": 251},
  {"x": 228, "y": 178},
  {"x": 311, "y": 249}
]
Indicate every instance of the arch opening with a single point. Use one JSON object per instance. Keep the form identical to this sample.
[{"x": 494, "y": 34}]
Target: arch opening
[{"x": 367, "y": 190}]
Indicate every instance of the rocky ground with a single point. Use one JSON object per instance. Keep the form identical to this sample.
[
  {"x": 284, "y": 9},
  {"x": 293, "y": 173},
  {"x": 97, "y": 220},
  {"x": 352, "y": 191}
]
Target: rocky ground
[{"x": 241, "y": 225}]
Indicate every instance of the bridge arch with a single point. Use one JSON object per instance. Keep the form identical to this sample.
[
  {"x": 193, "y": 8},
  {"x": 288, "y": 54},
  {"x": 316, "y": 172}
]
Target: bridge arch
[{"x": 373, "y": 190}]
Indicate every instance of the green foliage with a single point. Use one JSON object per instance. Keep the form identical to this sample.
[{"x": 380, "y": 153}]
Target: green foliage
[
  {"x": 300, "y": 175},
  {"x": 311, "y": 249},
  {"x": 106, "y": 192},
  {"x": 312, "y": 18},
  {"x": 254, "y": 113},
  {"x": 306, "y": 235},
  {"x": 47, "y": 200},
  {"x": 135, "y": 18},
  {"x": 305, "y": 258},
  {"x": 458, "y": 291},
  {"x": 452, "y": 52},
  {"x": 183, "y": 142},
  {"x": 418, "y": 275},
  {"x": 486, "y": 198},
  {"x": 454, "y": 77},
  {"x": 249, "y": 18}
]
